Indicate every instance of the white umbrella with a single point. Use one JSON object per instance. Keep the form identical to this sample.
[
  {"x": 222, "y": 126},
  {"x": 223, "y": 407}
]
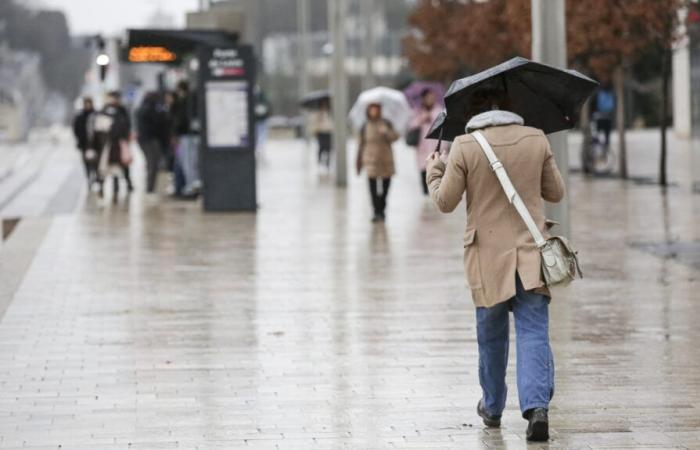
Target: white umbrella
[{"x": 395, "y": 107}]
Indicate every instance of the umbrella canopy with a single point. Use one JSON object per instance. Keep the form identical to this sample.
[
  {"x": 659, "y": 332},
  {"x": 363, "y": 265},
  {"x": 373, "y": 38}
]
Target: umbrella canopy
[
  {"x": 445, "y": 128},
  {"x": 314, "y": 100},
  {"x": 414, "y": 90},
  {"x": 395, "y": 107},
  {"x": 546, "y": 97}
]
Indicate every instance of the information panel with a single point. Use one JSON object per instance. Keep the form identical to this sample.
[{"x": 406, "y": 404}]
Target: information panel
[
  {"x": 225, "y": 91},
  {"x": 227, "y": 113}
]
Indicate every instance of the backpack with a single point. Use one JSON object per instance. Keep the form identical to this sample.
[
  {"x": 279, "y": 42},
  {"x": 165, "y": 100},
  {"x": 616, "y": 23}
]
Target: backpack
[{"x": 605, "y": 101}]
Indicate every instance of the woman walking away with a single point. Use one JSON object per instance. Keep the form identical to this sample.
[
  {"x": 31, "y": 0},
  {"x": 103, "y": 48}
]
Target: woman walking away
[
  {"x": 322, "y": 127},
  {"x": 502, "y": 262},
  {"x": 424, "y": 117},
  {"x": 377, "y": 158}
]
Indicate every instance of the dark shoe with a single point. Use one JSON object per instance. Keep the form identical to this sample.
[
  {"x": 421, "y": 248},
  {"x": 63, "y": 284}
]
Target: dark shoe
[
  {"x": 376, "y": 218},
  {"x": 489, "y": 421},
  {"x": 538, "y": 425}
]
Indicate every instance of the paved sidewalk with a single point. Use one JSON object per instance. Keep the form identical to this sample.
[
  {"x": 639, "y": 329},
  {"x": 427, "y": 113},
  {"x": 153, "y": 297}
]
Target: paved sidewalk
[{"x": 153, "y": 325}]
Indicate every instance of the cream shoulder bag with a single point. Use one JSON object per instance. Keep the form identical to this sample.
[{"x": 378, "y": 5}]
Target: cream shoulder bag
[{"x": 559, "y": 259}]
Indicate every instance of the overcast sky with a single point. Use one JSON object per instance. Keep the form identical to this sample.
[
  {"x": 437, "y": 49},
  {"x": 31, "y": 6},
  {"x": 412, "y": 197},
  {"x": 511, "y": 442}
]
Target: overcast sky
[{"x": 112, "y": 17}]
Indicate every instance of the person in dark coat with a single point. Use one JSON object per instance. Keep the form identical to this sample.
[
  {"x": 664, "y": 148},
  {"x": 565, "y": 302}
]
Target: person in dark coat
[
  {"x": 153, "y": 135},
  {"x": 114, "y": 104},
  {"x": 185, "y": 123},
  {"x": 111, "y": 129},
  {"x": 82, "y": 138}
]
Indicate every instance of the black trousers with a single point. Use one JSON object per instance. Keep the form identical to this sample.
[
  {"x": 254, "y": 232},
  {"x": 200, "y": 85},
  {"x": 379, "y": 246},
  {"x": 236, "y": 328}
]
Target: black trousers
[
  {"x": 378, "y": 190},
  {"x": 127, "y": 177},
  {"x": 153, "y": 152},
  {"x": 605, "y": 126},
  {"x": 324, "y": 148},
  {"x": 90, "y": 167},
  {"x": 423, "y": 182}
]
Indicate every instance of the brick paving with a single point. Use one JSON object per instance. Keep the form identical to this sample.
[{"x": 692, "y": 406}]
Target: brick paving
[{"x": 153, "y": 325}]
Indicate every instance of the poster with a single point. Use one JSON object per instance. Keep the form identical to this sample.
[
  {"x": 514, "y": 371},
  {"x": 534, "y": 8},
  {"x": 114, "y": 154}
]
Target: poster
[{"x": 227, "y": 113}]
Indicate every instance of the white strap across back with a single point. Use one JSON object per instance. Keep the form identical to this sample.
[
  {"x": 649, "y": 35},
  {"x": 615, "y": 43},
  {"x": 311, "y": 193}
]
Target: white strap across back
[{"x": 509, "y": 189}]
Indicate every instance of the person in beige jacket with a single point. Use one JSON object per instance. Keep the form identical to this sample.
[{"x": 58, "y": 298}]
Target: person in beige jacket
[
  {"x": 501, "y": 260},
  {"x": 376, "y": 156},
  {"x": 322, "y": 127}
]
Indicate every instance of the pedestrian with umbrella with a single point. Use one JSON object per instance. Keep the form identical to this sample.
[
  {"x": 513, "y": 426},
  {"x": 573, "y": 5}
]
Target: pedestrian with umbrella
[
  {"x": 506, "y": 111},
  {"x": 386, "y": 113},
  {"x": 321, "y": 123},
  {"x": 423, "y": 97}
]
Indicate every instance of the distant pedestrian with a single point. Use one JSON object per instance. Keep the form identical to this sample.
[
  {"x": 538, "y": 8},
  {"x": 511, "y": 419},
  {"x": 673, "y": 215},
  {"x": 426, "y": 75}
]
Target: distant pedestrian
[
  {"x": 424, "y": 116},
  {"x": 153, "y": 135},
  {"x": 322, "y": 127},
  {"x": 82, "y": 137},
  {"x": 115, "y": 105},
  {"x": 263, "y": 111},
  {"x": 604, "y": 111},
  {"x": 376, "y": 156},
  {"x": 502, "y": 262},
  {"x": 169, "y": 149},
  {"x": 186, "y": 170},
  {"x": 111, "y": 129}
]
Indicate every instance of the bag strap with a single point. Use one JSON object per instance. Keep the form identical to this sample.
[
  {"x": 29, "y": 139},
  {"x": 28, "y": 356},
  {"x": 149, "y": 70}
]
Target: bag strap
[{"x": 509, "y": 189}]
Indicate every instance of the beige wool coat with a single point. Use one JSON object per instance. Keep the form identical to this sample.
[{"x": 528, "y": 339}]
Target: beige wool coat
[
  {"x": 375, "y": 154},
  {"x": 496, "y": 241}
]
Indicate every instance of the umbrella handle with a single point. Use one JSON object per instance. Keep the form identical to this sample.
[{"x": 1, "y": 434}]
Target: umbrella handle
[{"x": 439, "y": 142}]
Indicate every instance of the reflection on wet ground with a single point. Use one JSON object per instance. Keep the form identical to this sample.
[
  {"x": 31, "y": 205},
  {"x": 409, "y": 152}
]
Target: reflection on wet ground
[{"x": 152, "y": 325}]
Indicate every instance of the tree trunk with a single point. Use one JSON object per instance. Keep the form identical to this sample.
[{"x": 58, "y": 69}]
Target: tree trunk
[
  {"x": 665, "y": 75},
  {"x": 585, "y": 124},
  {"x": 619, "y": 80}
]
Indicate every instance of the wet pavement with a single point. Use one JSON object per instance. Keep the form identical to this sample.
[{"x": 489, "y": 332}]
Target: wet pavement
[{"x": 148, "y": 324}]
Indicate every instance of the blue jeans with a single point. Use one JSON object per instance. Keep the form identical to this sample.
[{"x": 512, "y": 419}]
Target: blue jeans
[
  {"x": 187, "y": 178},
  {"x": 535, "y": 365}
]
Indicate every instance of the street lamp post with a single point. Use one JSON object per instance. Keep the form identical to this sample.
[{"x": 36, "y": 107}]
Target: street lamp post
[
  {"x": 367, "y": 9},
  {"x": 304, "y": 46},
  {"x": 549, "y": 47},
  {"x": 339, "y": 87}
]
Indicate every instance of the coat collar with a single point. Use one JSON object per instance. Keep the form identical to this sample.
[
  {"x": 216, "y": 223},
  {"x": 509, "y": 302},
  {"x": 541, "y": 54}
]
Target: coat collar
[{"x": 493, "y": 119}]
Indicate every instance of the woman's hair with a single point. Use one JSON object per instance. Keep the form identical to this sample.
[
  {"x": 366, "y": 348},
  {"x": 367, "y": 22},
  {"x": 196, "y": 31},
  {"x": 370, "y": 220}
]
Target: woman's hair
[{"x": 486, "y": 99}]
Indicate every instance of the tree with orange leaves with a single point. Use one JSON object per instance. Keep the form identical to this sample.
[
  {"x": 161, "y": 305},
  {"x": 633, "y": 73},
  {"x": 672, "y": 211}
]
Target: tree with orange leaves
[
  {"x": 451, "y": 37},
  {"x": 606, "y": 36}
]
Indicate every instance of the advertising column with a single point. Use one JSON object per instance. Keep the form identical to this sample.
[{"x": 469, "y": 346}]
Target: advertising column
[{"x": 226, "y": 83}]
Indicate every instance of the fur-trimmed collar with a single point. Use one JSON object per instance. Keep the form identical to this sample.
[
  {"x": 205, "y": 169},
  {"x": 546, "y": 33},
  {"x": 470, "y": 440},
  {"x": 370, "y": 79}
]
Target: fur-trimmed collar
[{"x": 493, "y": 119}]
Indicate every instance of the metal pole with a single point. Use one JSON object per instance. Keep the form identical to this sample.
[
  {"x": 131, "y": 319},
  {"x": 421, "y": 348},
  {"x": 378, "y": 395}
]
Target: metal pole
[
  {"x": 367, "y": 12},
  {"x": 549, "y": 47},
  {"x": 337, "y": 11},
  {"x": 304, "y": 45}
]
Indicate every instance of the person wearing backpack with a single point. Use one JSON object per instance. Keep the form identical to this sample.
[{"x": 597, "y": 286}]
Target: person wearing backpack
[{"x": 604, "y": 111}]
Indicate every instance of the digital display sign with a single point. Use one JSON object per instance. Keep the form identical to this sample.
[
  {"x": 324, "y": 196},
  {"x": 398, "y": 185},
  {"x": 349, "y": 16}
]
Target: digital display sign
[{"x": 151, "y": 54}]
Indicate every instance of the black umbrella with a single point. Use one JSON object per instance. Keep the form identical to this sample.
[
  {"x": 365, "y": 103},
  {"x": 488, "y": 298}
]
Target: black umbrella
[
  {"x": 314, "y": 100},
  {"x": 546, "y": 97},
  {"x": 446, "y": 128}
]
